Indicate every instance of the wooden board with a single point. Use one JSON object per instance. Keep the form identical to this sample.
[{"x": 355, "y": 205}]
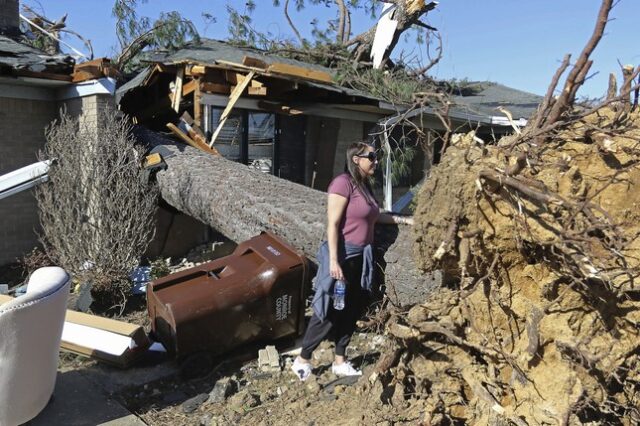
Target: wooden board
[
  {"x": 197, "y": 101},
  {"x": 303, "y": 73},
  {"x": 235, "y": 95},
  {"x": 177, "y": 94},
  {"x": 257, "y": 91},
  {"x": 196, "y": 70},
  {"x": 186, "y": 139},
  {"x": 254, "y": 62},
  {"x": 223, "y": 89},
  {"x": 189, "y": 87}
]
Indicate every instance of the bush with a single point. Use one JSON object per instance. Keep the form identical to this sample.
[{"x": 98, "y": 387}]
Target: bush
[{"x": 97, "y": 210}]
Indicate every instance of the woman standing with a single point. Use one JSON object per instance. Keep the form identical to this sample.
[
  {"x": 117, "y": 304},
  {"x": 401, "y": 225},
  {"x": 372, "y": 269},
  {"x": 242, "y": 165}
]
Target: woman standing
[{"x": 347, "y": 255}]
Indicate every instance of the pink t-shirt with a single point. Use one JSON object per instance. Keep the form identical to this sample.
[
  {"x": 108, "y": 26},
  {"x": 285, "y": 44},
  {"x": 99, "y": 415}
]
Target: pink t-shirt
[{"x": 361, "y": 214}]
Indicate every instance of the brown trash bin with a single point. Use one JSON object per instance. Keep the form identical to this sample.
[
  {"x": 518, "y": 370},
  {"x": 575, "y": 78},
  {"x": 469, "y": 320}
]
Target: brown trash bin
[{"x": 256, "y": 293}]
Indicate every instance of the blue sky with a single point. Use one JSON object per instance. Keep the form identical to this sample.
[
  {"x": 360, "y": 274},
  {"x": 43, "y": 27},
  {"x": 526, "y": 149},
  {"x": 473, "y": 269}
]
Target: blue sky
[{"x": 519, "y": 43}]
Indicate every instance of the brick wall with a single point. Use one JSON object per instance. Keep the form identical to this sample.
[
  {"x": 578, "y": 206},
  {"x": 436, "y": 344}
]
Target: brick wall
[
  {"x": 89, "y": 108},
  {"x": 22, "y": 124},
  {"x": 9, "y": 17}
]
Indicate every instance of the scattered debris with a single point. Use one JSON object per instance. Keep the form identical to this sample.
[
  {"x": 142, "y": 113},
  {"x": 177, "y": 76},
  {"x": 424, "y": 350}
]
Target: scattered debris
[
  {"x": 269, "y": 359},
  {"x": 223, "y": 388},
  {"x": 192, "y": 404}
]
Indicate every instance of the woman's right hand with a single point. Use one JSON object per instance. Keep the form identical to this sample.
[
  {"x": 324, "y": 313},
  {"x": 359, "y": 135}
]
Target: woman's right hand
[{"x": 335, "y": 270}]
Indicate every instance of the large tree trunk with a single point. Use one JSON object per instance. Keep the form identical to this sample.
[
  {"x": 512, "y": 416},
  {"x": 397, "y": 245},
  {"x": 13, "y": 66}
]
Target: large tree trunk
[{"x": 241, "y": 202}]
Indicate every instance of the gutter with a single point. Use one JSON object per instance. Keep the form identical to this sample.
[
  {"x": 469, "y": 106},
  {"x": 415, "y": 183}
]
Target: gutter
[{"x": 24, "y": 178}]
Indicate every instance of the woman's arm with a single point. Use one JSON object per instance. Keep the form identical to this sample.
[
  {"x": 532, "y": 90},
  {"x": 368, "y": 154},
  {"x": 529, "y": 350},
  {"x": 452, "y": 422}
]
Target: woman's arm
[
  {"x": 386, "y": 218},
  {"x": 336, "y": 207}
]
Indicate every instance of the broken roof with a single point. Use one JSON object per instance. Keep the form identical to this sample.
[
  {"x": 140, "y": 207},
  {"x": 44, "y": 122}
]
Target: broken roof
[
  {"x": 21, "y": 57},
  {"x": 486, "y": 96},
  {"x": 210, "y": 52}
]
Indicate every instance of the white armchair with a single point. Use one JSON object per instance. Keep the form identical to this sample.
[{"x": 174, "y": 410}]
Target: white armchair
[{"x": 30, "y": 332}]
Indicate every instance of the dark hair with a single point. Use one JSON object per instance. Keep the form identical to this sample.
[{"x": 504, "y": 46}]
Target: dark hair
[{"x": 361, "y": 181}]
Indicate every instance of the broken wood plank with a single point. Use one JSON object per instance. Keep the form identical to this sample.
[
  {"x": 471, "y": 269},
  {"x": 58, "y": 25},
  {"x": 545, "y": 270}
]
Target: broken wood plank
[
  {"x": 223, "y": 89},
  {"x": 189, "y": 87},
  {"x": 257, "y": 91},
  {"x": 197, "y": 101},
  {"x": 233, "y": 98},
  {"x": 237, "y": 66},
  {"x": 196, "y": 137},
  {"x": 296, "y": 71},
  {"x": 177, "y": 94},
  {"x": 250, "y": 61},
  {"x": 196, "y": 70},
  {"x": 79, "y": 76},
  {"x": 186, "y": 139},
  {"x": 192, "y": 122}
]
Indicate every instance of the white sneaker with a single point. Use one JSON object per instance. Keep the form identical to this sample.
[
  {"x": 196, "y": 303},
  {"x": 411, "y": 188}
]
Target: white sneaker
[
  {"x": 345, "y": 369},
  {"x": 301, "y": 369}
]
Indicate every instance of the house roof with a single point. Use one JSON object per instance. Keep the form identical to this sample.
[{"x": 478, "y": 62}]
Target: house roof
[
  {"x": 19, "y": 56},
  {"x": 484, "y": 97},
  {"x": 209, "y": 52}
]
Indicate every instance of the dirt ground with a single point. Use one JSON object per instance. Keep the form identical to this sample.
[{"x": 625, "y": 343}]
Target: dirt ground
[{"x": 253, "y": 396}]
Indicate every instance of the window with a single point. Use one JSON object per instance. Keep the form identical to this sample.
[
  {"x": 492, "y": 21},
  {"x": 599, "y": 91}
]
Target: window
[{"x": 246, "y": 137}]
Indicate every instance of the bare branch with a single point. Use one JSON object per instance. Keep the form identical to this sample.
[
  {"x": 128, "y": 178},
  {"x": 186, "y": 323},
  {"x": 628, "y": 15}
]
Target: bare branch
[{"x": 293, "y": 27}]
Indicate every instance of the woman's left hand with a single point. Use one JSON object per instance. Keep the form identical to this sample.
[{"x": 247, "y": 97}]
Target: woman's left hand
[{"x": 404, "y": 220}]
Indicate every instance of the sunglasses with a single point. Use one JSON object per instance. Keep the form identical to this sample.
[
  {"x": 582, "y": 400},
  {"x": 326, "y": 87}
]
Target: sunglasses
[{"x": 371, "y": 156}]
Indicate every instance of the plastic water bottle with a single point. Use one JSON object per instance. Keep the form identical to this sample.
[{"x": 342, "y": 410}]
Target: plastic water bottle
[{"x": 339, "y": 290}]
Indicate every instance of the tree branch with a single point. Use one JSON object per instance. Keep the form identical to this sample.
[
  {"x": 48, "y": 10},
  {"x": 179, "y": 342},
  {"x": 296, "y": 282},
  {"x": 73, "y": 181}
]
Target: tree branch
[{"x": 293, "y": 27}]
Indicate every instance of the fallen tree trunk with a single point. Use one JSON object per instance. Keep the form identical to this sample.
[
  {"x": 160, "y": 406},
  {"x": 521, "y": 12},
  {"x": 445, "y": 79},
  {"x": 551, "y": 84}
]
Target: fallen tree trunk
[{"x": 241, "y": 202}]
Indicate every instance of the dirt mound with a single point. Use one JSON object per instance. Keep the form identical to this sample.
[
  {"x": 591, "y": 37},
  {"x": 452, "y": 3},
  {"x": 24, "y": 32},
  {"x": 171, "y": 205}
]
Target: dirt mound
[{"x": 541, "y": 325}]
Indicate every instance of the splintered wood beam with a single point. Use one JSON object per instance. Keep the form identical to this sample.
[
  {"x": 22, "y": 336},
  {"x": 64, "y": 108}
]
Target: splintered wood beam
[
  {"x": 235, "y": 95},
  {"x": 303, "y": 73},
  {"x": 197, "y": 101},
  {"x": 177, "y": 94},
  {"x": 197, "y": 70},
  {"x": 223, "y": 89},
  {"x": 257, "y": 91},
  {"x": 254, "y": 62},
  {"x": 191, "y": 142},
  {"x": 189, "y": 87}
]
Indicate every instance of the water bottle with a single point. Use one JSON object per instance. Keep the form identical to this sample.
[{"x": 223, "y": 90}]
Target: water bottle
[{"x": 339, "y": 290}]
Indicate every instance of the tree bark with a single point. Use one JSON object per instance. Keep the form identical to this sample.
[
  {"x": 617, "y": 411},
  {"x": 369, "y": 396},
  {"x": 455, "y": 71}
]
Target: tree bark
[{"x": 241, "y": 202}]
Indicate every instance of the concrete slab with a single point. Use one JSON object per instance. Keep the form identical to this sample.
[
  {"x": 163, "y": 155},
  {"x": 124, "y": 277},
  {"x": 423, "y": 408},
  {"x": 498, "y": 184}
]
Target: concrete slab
[{"x": 78, "y": 402}]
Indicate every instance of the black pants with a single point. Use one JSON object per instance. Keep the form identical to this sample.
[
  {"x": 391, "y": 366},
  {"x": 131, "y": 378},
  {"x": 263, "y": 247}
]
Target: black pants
[{"x": 342, "y": 323}]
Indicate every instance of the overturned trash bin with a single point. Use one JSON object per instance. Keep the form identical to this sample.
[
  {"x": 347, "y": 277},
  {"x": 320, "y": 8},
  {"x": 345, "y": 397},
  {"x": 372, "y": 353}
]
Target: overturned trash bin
[{"x": 256, "y": 293}]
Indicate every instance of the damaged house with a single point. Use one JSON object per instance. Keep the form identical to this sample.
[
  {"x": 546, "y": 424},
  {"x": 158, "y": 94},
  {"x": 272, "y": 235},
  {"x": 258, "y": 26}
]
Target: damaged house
[
  {"x": 290, "y": 119},
  {"x": 281, "y": 116}
]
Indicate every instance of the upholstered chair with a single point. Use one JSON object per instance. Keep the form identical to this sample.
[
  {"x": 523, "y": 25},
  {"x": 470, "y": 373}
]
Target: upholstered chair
[{"x": 30, "y": 332}]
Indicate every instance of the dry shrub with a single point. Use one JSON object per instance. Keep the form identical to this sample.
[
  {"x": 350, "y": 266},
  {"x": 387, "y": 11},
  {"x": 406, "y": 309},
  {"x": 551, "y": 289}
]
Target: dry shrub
[
  {"x": 35, "y": 259},
  {"x": 97, "y": 209}
]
